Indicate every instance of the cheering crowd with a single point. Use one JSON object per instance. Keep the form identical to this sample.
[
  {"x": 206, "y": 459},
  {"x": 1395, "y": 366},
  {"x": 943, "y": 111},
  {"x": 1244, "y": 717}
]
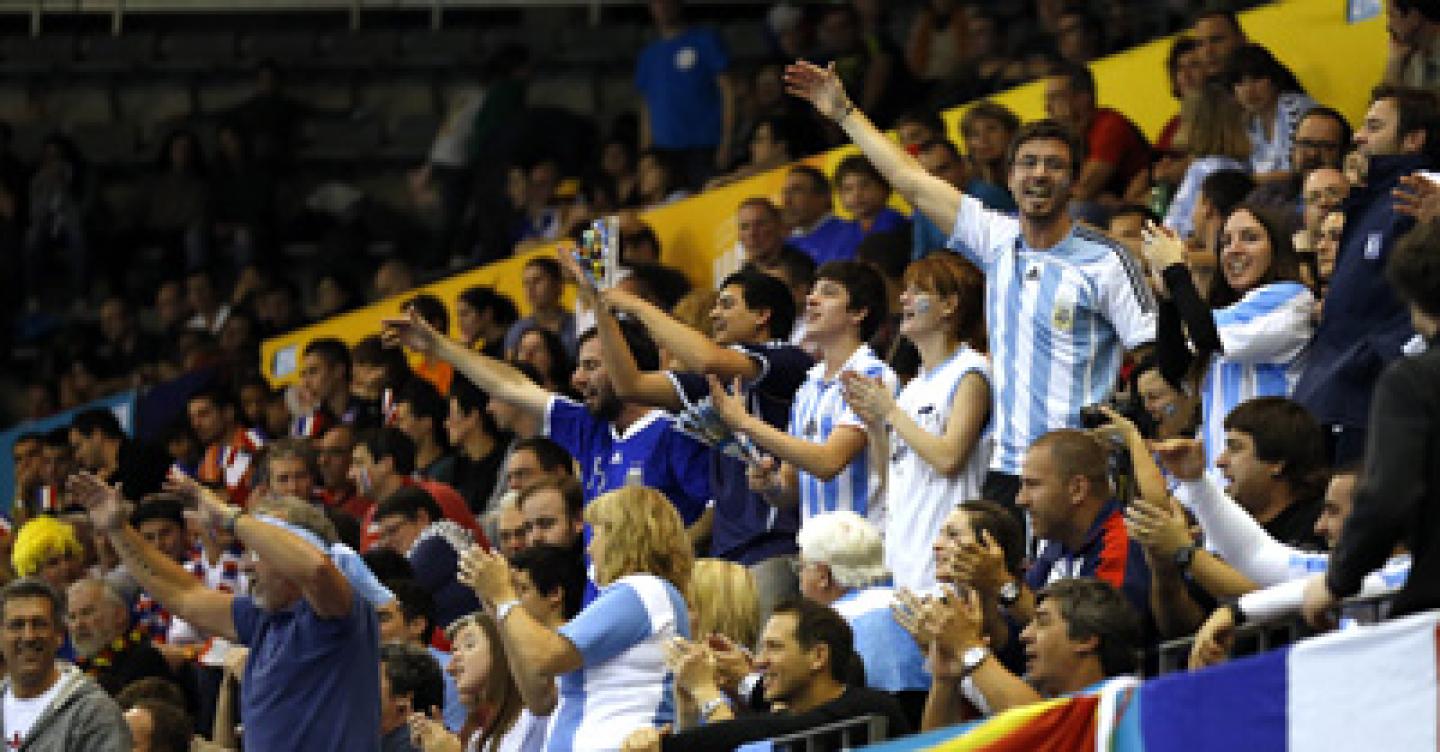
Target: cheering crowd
[{"x": 1093, "y": 395}]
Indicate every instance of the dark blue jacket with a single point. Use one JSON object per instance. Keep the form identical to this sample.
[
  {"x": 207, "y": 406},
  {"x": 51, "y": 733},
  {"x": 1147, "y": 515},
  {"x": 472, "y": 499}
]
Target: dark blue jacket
[{"x": 1364, "y": 325}]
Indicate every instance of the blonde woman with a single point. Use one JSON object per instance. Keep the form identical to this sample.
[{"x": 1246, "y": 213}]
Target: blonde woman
[
  {"x": 480, "y": 667},
  {"x": 609, "y": 659},
  {"x": 724, "y": 601},
  {"x": 1212, "y": 131}
]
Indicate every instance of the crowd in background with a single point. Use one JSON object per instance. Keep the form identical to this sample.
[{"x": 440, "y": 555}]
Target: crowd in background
[{"x": 1095, "y": 393}]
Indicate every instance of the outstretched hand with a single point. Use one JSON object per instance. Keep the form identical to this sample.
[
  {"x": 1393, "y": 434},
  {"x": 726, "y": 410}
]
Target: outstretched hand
[
  {"x": 212, "y": 507},
  {"x": 728, "y": 404},
  {"x": 1418, "y": 196},
  {"x": 104, "y": 502},
  {"x": 488, "y": 574},
  {"x": 412, "y": 332},
  {"x": 1162, "y": 248},
  {"x": 1182, "y": 458},
  {"x": 821, "y": 87}
]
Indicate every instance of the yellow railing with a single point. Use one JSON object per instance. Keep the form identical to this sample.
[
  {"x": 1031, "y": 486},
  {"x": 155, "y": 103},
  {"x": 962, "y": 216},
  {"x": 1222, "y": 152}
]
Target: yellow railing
[{"x": 1338, "y": 62}]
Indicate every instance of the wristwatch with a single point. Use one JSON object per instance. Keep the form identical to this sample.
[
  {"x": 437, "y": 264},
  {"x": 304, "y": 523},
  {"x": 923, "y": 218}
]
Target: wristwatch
[
  {"x": 503, "y": 610},
  {"x": 1185, "y": 556},
  {"x": 1009, "y": 593},
  {"x": 972, "y": 658}
]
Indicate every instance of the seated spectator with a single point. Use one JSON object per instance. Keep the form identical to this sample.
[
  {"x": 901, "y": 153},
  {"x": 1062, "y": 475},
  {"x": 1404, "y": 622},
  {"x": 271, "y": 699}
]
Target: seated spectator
[
  {"x": 1324, "y": 190},
  {"x": 638, "y": 242},
  {"x": 157, "y": 726},
  {"x": 334, "y": 453},
  {"x": 511, "y": 531},
  {"x": 536, "y": 459},
  {"x": 1187, "y": 77},
  {"x": 940, "y": 158},
  {"x": 659, "y": 181},
  {"x": 539, "y": 216},
  {"x": 938, "y": 45},
  {"x": 500, "y": 714},
  {"x": 409, "y": 620},
  {"x": 1080, "y": 527},
  {"x": 172, "y": 210},
  {"x": 1320, "y": 140},
  {"x": 543, "y": 285},
  {"x": 1126, "y": 227},
  {"x": 987, "y": 129},
  {"x": 326, "y": 375},
  {"x": 63, "y": 197},
  {"x": 1173, "y": 411},
  {"x": 544, "y": 352},
  {"x": 864, "y": 194},
  {"x": 660, "y": 285},
  {"x": 1212, "y": 134},
  {"x": 229, "y": 448},
  {"x": 209, "y": 310},
  {"x": 479, "y": 446},
  {"x": 410, "y": 682},
  {"x": 723, "y": 601},
  {"x": 842, "y": 565},
  {"x": 1217, "y": 29},
  {"x": 483, "y": 317},
  {"x": 1259, "y": 319},
  {"x": 1274, "y": 101},
  {"x": 609, "y": 659},
  {"x": 125, "y": 353},
  {"x": 383, "y": 462},
  {"x": 550, "y": 582},
  {"x": 101, "y": 447},
  {"x": 981, "y": 546},
  {"x": 774, "y": 142},
  {"x": 420, "y": 412},
  {"x": 1327, "y": 248},
  {"x": 53, "y": 705},
  {"x": 106, "y": 647},
  {"x": 1221, "y": 193},
  {"x": 1411, "y": 57},
  {"x": 1078, "y": 37},
  {"x": 808, "y": 657},
  {"x": 554, "y": 513},
  {"x": 807, "y": 208},
  {"x": 242, "y": 198},
  {"x": 1084, "y": 634},
  {"x": 393, "y": 277},
  {"x": 411, "y": 523},
  {"x": 1115, "y": 149},
  {"x": 47, "y": 548}
]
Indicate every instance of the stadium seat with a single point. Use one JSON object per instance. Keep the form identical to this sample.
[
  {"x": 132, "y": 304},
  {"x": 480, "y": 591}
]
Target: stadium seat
[
  {"x": 109, "y": 54},
  {"x": 49, "y": 53},
  {"x": 198, "y": 52}
]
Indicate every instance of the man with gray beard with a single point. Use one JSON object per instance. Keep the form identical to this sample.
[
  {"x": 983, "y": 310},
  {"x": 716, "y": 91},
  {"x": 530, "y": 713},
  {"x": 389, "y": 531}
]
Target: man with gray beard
[{"x": 105, "y": 648}]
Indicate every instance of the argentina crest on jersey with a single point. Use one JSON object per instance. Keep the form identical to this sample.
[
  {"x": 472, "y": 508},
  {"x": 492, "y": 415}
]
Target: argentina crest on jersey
[{"x": 1062, "y": 315}]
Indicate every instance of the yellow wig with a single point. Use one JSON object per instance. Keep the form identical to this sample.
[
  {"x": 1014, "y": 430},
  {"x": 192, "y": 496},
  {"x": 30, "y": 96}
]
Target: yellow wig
[{"x": 38, "y": 540}]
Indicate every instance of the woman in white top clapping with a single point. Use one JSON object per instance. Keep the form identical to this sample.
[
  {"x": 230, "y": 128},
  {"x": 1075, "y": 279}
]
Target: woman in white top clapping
[{"x": 938, "y": 428}]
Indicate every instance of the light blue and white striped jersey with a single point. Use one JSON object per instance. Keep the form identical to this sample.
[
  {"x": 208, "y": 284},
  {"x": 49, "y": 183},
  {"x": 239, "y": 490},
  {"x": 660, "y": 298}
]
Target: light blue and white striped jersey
[
  {"x": 819, "y": 408},
  {"x": 893, "y": 661},
  {"x": 1264, "y": 336},
  {"x": 918, "y": 496},
  {"x": 623, "y": 683},
  {"x": 1059, "y": 323}
]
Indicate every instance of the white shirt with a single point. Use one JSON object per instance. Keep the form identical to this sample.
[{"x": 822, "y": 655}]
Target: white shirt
[
  {"x": 919, "y": 496},
  {"x": 1059, "y": 322},
  {"x": 20, "y": 715},
  {"x": 526, "y": 735}
]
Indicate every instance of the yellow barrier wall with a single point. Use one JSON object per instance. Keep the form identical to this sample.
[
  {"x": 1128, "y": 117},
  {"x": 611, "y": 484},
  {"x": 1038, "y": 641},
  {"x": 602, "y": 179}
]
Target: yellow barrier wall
[{"x": 1338, "y": 63}]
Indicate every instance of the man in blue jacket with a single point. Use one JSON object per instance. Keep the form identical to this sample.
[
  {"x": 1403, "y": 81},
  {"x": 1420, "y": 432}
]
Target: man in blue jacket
[{"x": 1364, "y": 325}]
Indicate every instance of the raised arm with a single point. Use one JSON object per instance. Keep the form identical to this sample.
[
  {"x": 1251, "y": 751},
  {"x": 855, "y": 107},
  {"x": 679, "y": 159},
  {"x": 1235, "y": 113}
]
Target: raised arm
[
  {"x": 158, "y": 574},
  {"x": 321, "y": 583},
  {"x": 630, "y": 383},
  {"x": 822, "y": 460},
  {"x": 821, "y": 87},
  {"x": 696, "y": 351},
  {"x": 536, "y": 653},
  {"x": 497, "y": 377}
]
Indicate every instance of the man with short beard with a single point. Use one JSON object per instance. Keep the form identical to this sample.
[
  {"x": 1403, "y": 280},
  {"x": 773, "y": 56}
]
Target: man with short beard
[
  {"x": 611, "y": 440},
  {"x": 1063, "y": 302},
  {"x": 104, "y": 648},
  {"x": 48, "y": 705}
]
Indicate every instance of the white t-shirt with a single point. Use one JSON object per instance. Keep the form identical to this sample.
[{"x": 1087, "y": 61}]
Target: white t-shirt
[
  {"x": 919, "y": 496},
  {"x": 20, "y": 715}
]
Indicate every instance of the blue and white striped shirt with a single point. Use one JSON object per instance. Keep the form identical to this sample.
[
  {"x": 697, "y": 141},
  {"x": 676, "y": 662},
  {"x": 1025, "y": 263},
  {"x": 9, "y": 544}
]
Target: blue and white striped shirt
[
  {"x": 1264, "y": 336},
  {"x": 819, "y": 409},
  {"x": 624, "y": 683},
  {"x": 1059, "y": 323}
]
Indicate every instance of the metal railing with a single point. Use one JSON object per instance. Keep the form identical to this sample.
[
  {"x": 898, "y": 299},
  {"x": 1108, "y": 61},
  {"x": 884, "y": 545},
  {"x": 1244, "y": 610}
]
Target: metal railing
[
  {"x": 1255, "y": 638},
  {"x": 875, "y": 728}
]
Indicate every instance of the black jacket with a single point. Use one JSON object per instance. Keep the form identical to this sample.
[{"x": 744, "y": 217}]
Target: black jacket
[
  {"x": 1398, "y": 499},
  {"x": 727, "y": 735}
]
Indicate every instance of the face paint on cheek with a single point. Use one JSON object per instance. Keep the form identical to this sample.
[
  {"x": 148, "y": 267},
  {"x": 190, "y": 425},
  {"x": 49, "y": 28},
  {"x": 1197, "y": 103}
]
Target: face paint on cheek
[{"x": 922, "y": 305}]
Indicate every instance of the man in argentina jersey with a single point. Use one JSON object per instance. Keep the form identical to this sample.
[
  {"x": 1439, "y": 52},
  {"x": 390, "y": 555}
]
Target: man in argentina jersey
[
  {"x": 753, "y": 312},
  {"x": 824, "y": 455},
  {"x": 612, "y": 441},
  {"x": 1063, "y": 302}
]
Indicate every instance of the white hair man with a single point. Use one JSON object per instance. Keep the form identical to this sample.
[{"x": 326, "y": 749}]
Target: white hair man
[{"x": 842, "y": 565}]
